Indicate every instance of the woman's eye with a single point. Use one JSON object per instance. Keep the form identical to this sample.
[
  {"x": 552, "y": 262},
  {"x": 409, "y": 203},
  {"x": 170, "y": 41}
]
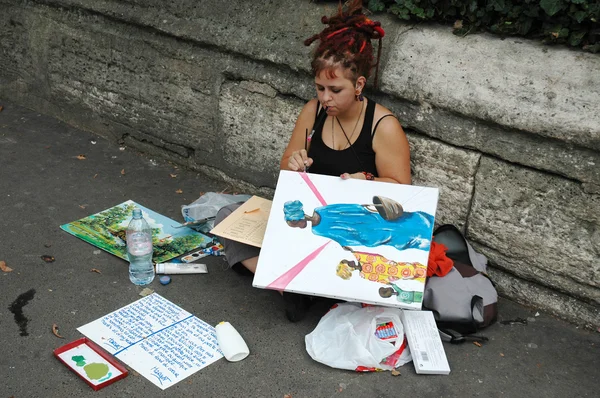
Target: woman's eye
[
  {"x": 336, "y": 91},
  {"x": 320, "y": 88}
]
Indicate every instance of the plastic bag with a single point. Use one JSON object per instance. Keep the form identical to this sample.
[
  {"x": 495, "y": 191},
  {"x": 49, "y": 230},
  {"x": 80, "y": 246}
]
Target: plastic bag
[
  {"x": 345, "y": 338},
  {"x": 207, "y": 206}
]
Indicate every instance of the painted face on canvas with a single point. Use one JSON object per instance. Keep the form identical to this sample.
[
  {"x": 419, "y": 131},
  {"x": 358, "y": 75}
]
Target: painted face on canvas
[
  {"x": 335, "y": 90},
  {"x": 297, "y": 224}
]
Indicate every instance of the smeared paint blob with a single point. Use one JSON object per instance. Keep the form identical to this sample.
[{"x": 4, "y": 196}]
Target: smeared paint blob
[
  {"x": 96, "y": 371},
  {"x": 17, "y": 309},
  {"x": 79, "y": 360}
]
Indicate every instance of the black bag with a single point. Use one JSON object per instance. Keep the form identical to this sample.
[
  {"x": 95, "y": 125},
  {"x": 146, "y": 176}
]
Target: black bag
[{"x": 464, "y": 300}]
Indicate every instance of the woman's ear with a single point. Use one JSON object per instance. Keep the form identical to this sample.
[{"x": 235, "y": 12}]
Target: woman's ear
[{"x": 360, "y": 83}]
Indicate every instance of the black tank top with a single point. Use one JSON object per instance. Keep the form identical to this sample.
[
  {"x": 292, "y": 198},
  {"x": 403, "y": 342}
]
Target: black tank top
[{"x": 357, "y": 157}]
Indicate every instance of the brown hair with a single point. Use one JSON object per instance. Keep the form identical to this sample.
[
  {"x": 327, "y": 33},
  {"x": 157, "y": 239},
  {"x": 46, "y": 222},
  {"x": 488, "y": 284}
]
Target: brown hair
[{"x": 346, "y": 42}]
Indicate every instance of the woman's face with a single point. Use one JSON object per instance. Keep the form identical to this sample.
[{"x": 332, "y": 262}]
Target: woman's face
[{"x": 336, "y": 93}]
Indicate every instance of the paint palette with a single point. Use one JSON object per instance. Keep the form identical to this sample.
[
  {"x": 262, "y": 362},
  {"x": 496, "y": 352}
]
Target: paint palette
[{"x": 91, "y": 363}]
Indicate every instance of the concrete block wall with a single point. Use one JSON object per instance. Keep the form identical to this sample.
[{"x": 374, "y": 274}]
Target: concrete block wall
[{"x": 508, "y": 129}]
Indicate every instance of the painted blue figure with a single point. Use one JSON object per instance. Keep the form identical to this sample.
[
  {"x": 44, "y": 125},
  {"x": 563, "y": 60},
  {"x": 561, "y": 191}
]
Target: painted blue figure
[{"x": 382, "y": 223}]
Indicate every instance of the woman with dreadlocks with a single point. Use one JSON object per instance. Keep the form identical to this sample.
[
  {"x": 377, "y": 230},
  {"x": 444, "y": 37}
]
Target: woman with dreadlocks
[{"x": 353, "y": 136}]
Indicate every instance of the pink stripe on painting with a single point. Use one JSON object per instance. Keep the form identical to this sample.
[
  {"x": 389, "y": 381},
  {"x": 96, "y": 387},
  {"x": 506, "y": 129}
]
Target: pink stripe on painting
[
  {"x": 313, "y": 188},
  {"x": 284, "y": 280}
]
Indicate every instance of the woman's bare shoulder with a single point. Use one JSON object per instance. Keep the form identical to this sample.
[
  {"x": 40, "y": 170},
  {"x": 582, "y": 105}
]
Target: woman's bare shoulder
[
  {"x": 388, "y": 123},
  {"x": 381, "y": 111}
]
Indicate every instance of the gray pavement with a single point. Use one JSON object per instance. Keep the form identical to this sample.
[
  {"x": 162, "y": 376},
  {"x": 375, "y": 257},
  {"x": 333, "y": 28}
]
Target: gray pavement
[{"x": 44, "y": 185}]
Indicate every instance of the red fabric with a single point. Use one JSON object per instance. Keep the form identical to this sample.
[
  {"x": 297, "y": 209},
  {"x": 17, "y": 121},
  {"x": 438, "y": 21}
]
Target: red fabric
[{"x": 438, "y": 264}]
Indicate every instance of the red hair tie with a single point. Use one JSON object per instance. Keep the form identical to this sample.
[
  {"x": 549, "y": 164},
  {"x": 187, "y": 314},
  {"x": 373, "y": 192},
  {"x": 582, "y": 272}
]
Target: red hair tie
[
  {"x": 329, "y": 36},
  {"x": 379, "y": 30}
]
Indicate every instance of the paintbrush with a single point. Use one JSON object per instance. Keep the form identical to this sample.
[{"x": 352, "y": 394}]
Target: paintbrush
[
  {"x": 196, "y": 222},
  {"x": 320, "y": 120}
]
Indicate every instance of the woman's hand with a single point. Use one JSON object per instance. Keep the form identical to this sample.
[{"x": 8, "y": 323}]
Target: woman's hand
[
  {"x": 299, "y": 161},
  {"x": 358, "y": 176}
]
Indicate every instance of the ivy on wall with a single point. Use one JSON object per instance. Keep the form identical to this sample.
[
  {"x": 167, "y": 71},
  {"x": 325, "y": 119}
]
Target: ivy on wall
[{"x": 572, "y": 22}]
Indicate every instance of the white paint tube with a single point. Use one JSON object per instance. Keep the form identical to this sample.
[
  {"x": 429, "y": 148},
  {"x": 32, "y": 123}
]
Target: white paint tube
[{"x": 181, "y": 268}]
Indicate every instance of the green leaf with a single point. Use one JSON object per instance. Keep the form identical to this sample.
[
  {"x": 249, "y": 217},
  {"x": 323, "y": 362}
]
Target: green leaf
[
  {"x": 376, "y": 5},
  {"x": 551, "y": 6},
  {"x": 580, "y": 16},
  {"x": 576, "y": 37}
]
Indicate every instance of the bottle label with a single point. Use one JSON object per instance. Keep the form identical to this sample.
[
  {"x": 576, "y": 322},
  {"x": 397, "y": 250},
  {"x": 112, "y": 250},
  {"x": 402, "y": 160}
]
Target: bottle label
[{"x": 139, "y": 244}]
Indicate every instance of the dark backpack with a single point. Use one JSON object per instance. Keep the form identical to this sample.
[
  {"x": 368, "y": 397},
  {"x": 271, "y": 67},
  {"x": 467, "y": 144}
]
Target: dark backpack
[{"x": 463, "y": 301}]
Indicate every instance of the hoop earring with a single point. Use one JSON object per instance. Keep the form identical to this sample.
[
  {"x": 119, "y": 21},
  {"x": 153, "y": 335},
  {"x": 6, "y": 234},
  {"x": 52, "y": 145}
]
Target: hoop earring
[{"x": 358, "y": 96}]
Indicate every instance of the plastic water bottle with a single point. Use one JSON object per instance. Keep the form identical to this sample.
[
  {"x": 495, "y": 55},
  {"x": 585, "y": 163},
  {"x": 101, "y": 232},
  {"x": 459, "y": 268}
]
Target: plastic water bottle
[{"x": 139, "y": 250}]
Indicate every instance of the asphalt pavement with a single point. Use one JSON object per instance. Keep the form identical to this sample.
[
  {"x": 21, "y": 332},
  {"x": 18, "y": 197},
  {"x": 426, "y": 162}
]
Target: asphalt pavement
[{"x": 52, "y": 174}]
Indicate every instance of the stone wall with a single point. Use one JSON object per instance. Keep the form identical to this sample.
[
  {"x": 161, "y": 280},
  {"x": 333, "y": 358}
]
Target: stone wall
[{"x": 508, "y": 129}]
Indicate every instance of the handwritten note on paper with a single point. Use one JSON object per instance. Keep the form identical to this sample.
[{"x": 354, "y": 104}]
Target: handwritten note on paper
[
  {"x": 248, "y": 223},
  {"x": 158, "y": 339}
]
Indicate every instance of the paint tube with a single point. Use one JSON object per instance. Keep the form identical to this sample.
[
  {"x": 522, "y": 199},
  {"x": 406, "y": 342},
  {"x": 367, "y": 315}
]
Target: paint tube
[{"x": 181, "y": 268}]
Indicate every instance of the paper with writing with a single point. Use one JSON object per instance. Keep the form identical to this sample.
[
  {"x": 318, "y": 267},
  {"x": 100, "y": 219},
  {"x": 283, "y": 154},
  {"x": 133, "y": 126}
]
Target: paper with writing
[
  {"x": 247, "y": 224},
  {"x": 158, "y": 339}
]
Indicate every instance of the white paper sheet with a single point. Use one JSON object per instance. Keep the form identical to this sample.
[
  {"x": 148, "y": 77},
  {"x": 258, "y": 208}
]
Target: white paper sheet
[{"x": 156, "y": 338}]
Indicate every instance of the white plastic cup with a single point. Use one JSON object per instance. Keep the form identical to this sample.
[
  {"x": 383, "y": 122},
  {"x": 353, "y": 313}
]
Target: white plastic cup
[{"x": 232, "y": 344}]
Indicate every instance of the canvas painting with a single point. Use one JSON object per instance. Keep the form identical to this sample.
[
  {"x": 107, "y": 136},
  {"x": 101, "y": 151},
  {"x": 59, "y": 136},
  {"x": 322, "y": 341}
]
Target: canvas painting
[
  {"x": 355, "y": 240},
  {"x": 107, "y": 228}
]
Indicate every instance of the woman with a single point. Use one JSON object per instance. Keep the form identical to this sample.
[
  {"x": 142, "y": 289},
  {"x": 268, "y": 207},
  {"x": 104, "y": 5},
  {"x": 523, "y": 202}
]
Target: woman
[{"x": 353, "y": 136}]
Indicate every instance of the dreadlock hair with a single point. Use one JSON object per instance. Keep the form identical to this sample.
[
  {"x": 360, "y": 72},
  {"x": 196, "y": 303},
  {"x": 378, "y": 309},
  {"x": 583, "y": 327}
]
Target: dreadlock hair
[{"x": 346, "y": 42}]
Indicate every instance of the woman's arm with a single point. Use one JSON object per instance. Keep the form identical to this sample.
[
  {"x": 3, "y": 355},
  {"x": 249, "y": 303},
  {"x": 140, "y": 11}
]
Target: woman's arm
[
  {"x": 295, "y": 157},
  {"x": 392, "y": 153}
]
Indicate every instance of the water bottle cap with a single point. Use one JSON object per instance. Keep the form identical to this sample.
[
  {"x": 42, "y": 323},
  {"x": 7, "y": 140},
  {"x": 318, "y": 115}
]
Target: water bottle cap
[{"x": 137, "y": 212}]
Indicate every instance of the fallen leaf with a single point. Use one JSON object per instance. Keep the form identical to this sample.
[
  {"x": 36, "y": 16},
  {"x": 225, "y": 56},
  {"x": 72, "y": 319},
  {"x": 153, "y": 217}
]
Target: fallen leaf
[
  {"x": 95, "y": 175},
  {"x": 47, "y": 258},
  {"x": 287, "y": 396},
  {"x": 146, "y": 292},
  {"x": 123, "y": 172},
  {"x": 55, "y": 331},
  {"x": 179, "y": 191},
  {"x": 82, "y": 206},
  {"x": 395, "y": 372},
  {"x": 4, "y": 267},
  {"x": 81, "y": 157},
  {"x": 554, "y": 34},
  {"x": 47, "y": 245},
  {"x": 458, "y": 24},
  {"x": 95, "y": 270},
  {"x": 1, "y": 107},
  {"x": 173, "y": 175},
  {"x": 477, "y": 343},
  {"x": 501, "y": 354}
]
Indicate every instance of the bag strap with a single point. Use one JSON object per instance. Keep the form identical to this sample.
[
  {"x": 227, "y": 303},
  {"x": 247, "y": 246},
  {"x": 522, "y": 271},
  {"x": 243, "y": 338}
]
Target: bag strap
[{"x": 453, "y": 337}]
